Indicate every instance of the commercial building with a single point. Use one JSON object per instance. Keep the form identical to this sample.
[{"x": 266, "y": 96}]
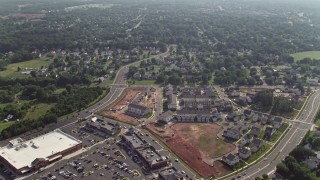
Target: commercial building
[
  {"x": 28, "y": 156},
  {"x": 103, "y": 126},
  {"x": 153, "y": 159},
  {"x": 144, "y": 150},
  {"x": 170, "y": 174},
  {"x": 133, "y": 140}
]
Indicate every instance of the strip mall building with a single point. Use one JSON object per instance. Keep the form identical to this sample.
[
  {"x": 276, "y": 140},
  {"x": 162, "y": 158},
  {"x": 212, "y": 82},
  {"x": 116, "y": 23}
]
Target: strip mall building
[{"x": 28, "y": 156}]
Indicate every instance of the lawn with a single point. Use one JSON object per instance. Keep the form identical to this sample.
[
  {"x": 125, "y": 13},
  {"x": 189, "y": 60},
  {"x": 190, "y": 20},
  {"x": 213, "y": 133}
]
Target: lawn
[
  {"x": 11, "y": 69},
  {"x": 306, "y": 54},
  {"x": 211, "y": 81},
  {"x": 265, "y": 147},
  {"x": 59, "y": 90},
  {"x": 144, "y": 82},
  {"x": 275, "y": 136},
  {"x": 38, "y": 110},
  {"x": 4, "y": 125}
]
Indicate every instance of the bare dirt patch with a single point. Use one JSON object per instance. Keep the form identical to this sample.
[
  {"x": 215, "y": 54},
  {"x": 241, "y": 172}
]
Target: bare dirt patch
[
  {"x": 117, "y": 109},
  {"x": 195, "y": 144}
]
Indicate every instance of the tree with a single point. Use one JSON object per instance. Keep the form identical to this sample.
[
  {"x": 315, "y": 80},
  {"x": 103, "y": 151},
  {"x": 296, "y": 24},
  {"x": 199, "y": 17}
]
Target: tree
[
  {"x": 300, "y": 87},
  {"x": 174, "y": 79},
  {"x": 264, "y": 99},
  {"x": 265, "y": 176},
  {"x": 316, "y": 143},
  {"x": 283, "y": 169},
  {"x": 33, "y": 73}
]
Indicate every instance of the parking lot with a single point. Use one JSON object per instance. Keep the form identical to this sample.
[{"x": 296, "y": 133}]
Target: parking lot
[
  {"x": 78, "y": 131},
  {"x": 102, "y": 161}
]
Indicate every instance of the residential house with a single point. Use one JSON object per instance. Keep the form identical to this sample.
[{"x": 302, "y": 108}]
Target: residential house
[
  {"x": 233, "y": 133},
  {"x": 166, "y": 117},
  {"x": 216, "y": 116},
  {"x": 269, "y": 119},
  {"x": 168, "y": 90},
  {"x": 247, "y": 114},
  {"x": 268, "y": 132},
  {"x": 264, "y": 120},
  {"x": 312, "y": 162},
  {"x": 172, "y": 102},
  {"x": 248, "y": 138},
  {"x": 256, "y": 117},
  {"x": 193, "y": 115},
  {"x": 256, "y": 144},
  {"x": 255, "y": 131},
  {"x": 312, "y": 82},
  {"x": 137, "y": 110},
  {"x": 242, "y": 100},
  {"x": 277, "y": 122},
  {"x": 232, "y": 116},
  {"x": 234, "y": 94},
  {"x": 137, "y": 75},
  {"x": 244, "y": 152},
  {"x": 231, "y": 159}
]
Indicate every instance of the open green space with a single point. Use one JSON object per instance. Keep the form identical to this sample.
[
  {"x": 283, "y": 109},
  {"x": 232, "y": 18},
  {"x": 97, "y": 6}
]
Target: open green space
[
  {"x": 38, "y": 110},
  {"x": 306, "y": 54},
  {"x": 59, "y": 90},
  {"x": 211, "y": 81},
  {"x": 12, "y": 69},
  {"x": 4, "y": 125},
  {"x": 142, "y": 82}
]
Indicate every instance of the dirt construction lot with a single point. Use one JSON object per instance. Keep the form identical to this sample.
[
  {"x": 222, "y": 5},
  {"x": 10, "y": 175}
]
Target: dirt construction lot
[
  {"x": 116, "y": 110},
  {"x": 197, "y": 145}
]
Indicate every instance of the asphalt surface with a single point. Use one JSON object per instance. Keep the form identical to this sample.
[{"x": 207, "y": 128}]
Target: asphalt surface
[
  {"x": 116, "y": 90},
  {"x": 293, "y": 137}
]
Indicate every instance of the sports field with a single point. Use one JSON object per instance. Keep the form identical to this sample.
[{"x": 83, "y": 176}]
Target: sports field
[{"x": 306, "y": 54}]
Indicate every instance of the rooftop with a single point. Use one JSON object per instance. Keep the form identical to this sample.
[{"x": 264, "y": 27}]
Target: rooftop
[
  {"x": 137, "y": 106},
  {"x": 20, "y": 153},
  {"x": 171, "y": 173},
  {"x": 135, "y": 140},
  {"x": 150, "y": 155}
]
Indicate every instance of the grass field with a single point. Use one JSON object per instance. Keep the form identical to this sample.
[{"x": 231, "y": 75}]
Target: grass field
[
  {"x": 11, "y": 69},
  {"x": 306, "y": 54},
  {"x": 4, "y": 125},
  {"x": 145, "y": 82},
  {"x": 38, "y": 110}
]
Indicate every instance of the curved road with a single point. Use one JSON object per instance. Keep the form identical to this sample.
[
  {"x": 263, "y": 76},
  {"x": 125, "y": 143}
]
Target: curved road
[{"x": 297, "y": 131}]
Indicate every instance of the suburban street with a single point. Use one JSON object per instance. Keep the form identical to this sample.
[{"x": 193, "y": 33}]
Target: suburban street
[{"x": 297, "y": 131}]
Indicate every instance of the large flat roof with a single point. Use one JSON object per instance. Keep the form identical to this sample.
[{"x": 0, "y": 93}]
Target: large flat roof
[
  {"x": 22, "y": 153},
  {"x": 135, "y": 140}
]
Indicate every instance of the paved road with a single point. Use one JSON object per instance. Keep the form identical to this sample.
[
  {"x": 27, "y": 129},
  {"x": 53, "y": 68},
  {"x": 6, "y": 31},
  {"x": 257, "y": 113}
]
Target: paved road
[{"x": 293, "y": 137}]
